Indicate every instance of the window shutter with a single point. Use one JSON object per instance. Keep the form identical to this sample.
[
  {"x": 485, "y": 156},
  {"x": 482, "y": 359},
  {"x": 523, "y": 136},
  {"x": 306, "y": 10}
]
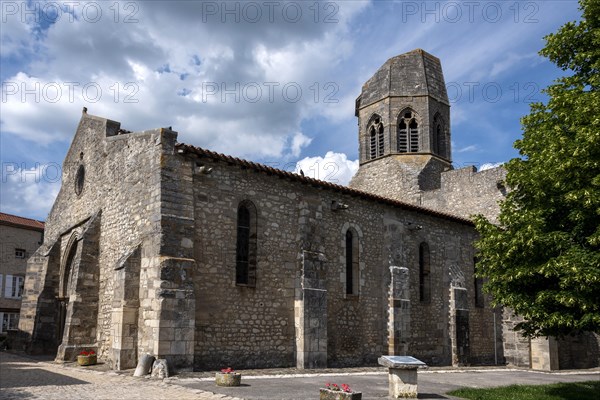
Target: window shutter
[{"x": 9, "y": 287}]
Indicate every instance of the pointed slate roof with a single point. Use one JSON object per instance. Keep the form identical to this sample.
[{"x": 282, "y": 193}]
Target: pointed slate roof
[{"x": 416, "y": 73}]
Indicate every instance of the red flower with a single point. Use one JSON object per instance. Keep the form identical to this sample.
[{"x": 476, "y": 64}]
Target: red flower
[
  {"x": 227, "y": 370},
  {"x": 335, "y": 387},
  {"x": 87, "y": 353}
]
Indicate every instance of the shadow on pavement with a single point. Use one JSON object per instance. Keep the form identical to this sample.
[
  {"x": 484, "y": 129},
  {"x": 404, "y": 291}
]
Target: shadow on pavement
[
  {"x": 35, "y": 377},
  {"x": 18, "y": 370},
  {"x": 431, "y": 396}
]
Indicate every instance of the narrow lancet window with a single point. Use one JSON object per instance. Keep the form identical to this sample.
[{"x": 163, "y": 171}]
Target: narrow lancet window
[
  {"x": 402, "y": 137},
  {"x": 414, "y": 136},
  {"x": 376, "y": 138},
  {"x": 373, "y": 143},
  {"x": 352, "y": 262},
  {"x": 245, "y": 269},
  {"x": 380, "y": 141}
]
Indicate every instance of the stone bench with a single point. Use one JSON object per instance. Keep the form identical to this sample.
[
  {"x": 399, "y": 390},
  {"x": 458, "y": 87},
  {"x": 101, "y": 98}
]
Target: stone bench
[{"x": 402, "y": 375}]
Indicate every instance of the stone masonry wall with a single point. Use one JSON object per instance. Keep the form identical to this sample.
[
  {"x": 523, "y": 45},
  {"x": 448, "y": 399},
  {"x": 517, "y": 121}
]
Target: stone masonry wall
[
  {"x": 12, "y": 238},
  {"x": 466, "y": 192},
  {"x": 121, "y": 179},
  {"x": 516, "y": 347},
  {"x": 241, "y": 325},
  {"x": 580, "y": 351},
  {"x": 254, "y": 326},
  {"x": 400, "y": 177}
]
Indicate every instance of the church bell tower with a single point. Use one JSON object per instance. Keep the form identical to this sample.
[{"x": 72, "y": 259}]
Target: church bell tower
[{"x": 403, "y": 128}]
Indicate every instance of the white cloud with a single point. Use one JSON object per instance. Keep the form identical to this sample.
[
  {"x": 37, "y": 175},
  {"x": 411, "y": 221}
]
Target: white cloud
[
  {"x": 334, "y": 168},
  {"x": 29, "y": 191},
  {"x": 173, "y": 73},
  {"x": 299, "y": 141},
  {"x": 170, "y": 50},
  {"x": 489, "y": 166},
  {"x": 467, "y": 149},
  {"x": 34, "y": 108},
  {"x": 15, "y": 34}
]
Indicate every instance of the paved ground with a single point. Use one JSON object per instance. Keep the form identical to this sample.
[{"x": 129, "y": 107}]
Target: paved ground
[
  {"x": 28, "y": 378},
  {"x": 374, "y": 385}
]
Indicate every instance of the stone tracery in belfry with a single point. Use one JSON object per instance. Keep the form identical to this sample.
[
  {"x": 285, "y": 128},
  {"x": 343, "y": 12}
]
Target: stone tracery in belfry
[
  {"x": 376, "y": 137},
  {"x": 408, "y": 132}
]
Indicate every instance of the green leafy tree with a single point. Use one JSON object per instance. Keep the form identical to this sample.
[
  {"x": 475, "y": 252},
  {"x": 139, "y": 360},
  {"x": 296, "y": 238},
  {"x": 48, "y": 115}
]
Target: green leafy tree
[{"x": 543, "y": 260}]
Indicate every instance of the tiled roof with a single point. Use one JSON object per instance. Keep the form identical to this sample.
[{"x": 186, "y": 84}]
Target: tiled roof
[
  {"x": 21, "y": 222},
  {"x": 186, "y": 148}
]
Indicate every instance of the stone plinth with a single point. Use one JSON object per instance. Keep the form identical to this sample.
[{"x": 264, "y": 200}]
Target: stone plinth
[
  {"x": 544, "y": 354},
  {"x": 402, "y": 375},
  {"x": 311, "y": 313}
]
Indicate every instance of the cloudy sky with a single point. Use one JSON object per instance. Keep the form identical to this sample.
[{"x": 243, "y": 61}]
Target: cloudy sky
[{"x": 270, "y": 81}]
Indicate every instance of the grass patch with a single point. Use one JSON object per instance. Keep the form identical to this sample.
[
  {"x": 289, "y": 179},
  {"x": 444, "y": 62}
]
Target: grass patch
[{"x": 558, "y": 391}]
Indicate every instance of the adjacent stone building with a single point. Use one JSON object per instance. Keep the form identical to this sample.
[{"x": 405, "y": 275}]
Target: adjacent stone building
[
  {"x": 19, "y": 239},
  {"x": 207, "y": 260}
]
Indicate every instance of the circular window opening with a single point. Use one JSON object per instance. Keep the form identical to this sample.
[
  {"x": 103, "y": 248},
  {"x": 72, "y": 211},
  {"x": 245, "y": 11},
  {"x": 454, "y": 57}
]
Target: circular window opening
[{"x": 79, "y": 179}]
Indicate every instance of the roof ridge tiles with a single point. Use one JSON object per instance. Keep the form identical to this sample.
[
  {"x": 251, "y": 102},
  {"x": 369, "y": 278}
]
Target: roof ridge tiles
[{"x": 18, "y": 221}]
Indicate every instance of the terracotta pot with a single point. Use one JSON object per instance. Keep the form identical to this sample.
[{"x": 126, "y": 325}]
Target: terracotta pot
[
  {"x": 326, "y": 394},
  {"x": 87, "y": 360},
  {"x": 230, "y": 379}
]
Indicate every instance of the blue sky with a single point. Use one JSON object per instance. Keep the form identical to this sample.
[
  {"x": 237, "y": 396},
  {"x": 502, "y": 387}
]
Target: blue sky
[{"x": 274, "y": 82}]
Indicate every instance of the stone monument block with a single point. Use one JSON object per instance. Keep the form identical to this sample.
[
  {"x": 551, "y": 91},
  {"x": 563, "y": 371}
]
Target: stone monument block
[{"x": 402, "y": 375}]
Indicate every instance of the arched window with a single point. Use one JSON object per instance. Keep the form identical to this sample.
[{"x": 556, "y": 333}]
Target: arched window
[
  {"x": 424, "y": 273},
  {"x": 352, "y": 263},
  {"x": 376, "y": 138},
  {"x": 245, "y": 263},
  {"x": 408, "y": 133}
]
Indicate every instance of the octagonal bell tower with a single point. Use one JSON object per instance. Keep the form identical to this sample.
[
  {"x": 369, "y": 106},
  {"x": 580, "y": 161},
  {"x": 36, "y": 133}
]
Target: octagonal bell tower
[{"x": 403, "y": 128}]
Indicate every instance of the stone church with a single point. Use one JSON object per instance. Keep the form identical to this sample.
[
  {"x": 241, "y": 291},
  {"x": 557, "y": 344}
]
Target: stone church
[{"x": 158, "y": 247}]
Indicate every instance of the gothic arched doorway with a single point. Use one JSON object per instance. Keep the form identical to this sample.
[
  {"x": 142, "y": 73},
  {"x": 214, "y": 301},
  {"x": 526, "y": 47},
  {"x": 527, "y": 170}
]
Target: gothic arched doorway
[{"x": 62, "y": 300}]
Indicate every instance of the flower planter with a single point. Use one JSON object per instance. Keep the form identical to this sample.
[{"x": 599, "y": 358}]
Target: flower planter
[
  {"x": 228, "y": 379},
  {"x": 326, "y": 394},
  {"x": 87, "y": 360}
]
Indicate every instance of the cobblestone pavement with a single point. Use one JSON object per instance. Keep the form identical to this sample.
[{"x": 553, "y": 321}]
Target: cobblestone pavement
[
  {"x": 27, "y": 378},
  {"x": 23, "y": 377}
]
